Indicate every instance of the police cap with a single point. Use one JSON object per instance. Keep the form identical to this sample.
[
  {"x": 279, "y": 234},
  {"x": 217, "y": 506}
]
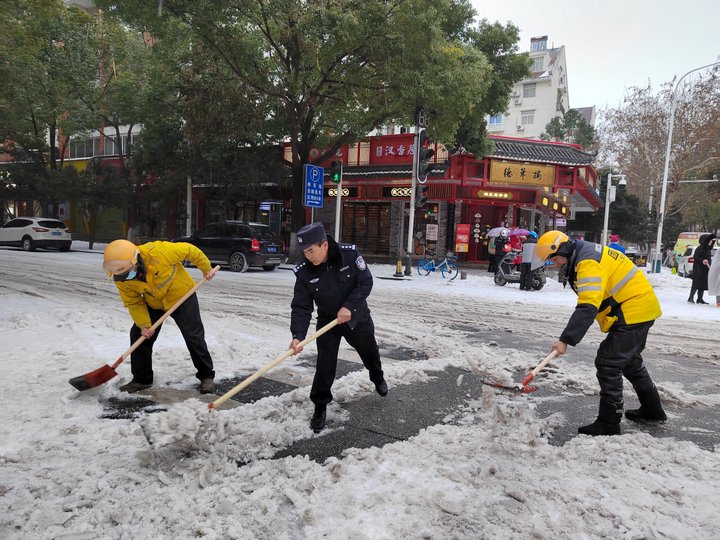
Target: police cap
[{"x": 314, "y": 233}]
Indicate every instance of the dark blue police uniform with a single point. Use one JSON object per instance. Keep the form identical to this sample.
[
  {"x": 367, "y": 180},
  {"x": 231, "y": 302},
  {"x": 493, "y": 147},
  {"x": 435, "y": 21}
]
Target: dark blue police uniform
[{"x": 342, "y": 281}]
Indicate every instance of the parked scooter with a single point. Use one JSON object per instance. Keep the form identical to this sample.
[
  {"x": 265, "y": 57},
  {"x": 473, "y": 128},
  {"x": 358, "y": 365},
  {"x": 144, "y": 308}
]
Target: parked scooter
[{"x": 510, "y": 273}]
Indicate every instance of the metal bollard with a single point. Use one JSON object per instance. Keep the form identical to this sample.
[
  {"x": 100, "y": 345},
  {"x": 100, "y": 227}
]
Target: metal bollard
[
  {"x": 398, "y": 269},
  {"x": 463, "y": 274}
]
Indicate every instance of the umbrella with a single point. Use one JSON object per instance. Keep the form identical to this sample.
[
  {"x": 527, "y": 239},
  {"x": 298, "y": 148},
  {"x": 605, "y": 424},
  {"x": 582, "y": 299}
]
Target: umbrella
[
  {"x": 496, "y": 231},
  {"x": 519, "y": 232}
]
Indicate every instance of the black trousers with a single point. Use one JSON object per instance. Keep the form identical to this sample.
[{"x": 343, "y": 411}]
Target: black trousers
[
  {"x": 526, "y": 276},
  {"x": 187, "y": 318},
  {"x": 618, "y": 356},
  {"x": 361, "y": 338}
]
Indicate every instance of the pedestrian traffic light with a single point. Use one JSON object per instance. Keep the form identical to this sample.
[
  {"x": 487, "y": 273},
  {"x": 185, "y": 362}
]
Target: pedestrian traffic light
[
  {"x": 424, "y": 156},
  {"x": 421, "y": 195},
  {"x": 336, "y": 168}
]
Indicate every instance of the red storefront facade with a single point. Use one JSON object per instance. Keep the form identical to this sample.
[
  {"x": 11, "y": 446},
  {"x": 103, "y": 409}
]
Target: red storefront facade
[{"x": 524, "y": 183}]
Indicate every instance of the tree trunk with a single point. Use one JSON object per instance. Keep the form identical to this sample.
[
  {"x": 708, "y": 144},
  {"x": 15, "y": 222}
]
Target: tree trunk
[{"x": 298, "y": 209}]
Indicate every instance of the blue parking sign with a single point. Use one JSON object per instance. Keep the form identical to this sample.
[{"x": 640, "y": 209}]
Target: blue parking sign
[{"x": 314, "y": 177}]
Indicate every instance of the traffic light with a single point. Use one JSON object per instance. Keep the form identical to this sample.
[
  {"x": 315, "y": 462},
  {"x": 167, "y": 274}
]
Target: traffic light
[
  {"x": 421, "y": 195},
  {"x": 336, "y": 168},
  {"x": 424, "y": 156}
]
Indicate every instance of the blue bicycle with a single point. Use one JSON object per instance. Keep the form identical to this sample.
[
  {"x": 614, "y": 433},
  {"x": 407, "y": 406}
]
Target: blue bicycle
[{"x": 448, "y": 267}]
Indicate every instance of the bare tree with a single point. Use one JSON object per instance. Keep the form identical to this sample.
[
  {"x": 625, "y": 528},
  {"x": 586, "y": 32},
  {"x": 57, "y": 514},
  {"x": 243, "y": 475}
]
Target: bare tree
[{"x": 634, "y": 136}]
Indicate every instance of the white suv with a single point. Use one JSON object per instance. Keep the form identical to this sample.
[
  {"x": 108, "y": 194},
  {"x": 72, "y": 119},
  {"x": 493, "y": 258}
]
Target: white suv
[
  {"x": 33, "y": 232},
  {"x": 685, "y": 264}
]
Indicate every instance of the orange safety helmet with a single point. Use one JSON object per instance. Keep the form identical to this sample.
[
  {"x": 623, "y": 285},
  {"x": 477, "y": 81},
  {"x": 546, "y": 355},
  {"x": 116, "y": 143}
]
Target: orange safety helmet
[
  {"x": 119, "y": 257},
  {"x": 547, "y": 245}
]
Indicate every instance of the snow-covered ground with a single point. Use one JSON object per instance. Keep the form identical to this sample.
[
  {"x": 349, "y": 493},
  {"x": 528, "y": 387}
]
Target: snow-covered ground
[{"x": 486, "y": 472}]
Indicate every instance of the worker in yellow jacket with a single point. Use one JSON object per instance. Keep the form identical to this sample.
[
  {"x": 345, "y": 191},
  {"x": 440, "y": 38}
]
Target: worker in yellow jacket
[
  {"x": 613, "y": 291},
  {"x": 151, "y": 278}
]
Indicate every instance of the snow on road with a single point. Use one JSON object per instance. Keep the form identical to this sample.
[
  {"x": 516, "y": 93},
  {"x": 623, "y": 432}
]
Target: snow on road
[{"x": 489, "y": 473}]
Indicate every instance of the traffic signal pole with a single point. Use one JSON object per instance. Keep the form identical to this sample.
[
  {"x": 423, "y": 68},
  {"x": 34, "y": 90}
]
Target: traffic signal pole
[
  {"x": 338, "y": 205},
  {"x": 413, "y": 187}
]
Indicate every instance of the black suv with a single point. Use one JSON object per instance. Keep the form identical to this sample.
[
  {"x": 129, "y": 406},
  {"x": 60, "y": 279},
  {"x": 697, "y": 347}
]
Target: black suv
[{"x": 239, "y": 245}]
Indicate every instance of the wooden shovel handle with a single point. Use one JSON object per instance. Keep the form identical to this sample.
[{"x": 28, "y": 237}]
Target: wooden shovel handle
[
  {"x": 530, "y": 376},
  {"x": 252, "y": 378},
  {"x": 162, "y": 319}
]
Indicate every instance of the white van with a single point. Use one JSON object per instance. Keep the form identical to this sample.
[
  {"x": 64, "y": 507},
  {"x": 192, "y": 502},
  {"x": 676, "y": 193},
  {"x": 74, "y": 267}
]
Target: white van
[{"x": 684, "y": 241}]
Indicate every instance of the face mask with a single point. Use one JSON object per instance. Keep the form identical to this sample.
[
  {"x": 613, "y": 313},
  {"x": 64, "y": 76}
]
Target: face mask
[{"x": 130, "y": 274}]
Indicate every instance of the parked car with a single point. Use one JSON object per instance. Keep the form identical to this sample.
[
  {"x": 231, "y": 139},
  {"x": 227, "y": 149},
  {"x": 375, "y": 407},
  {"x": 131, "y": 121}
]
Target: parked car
[
  {"x": 36, "y": 232},
  {"x": 685, "y": 265},
  {"x": 239, "y": 245}
]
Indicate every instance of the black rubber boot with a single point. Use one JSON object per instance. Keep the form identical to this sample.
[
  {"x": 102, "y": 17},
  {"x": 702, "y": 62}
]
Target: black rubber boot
[
  {"x": 650, "y": 407},
  {"x": 317, "y": 423},
  {"x": 608, "y": 420}
]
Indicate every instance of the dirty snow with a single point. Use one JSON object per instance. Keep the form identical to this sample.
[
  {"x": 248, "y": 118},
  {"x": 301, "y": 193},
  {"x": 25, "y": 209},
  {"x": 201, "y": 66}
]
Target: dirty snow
[{"x": 488, "y": 472}]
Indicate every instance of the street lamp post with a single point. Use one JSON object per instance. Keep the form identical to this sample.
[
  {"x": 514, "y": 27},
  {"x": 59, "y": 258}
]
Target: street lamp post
[
  {"x": 657, "y": 258},
  {"x": 609, "y": 198}
]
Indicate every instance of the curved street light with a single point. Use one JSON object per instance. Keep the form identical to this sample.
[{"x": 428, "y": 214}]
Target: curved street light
[{"x": 657, "y": 259}]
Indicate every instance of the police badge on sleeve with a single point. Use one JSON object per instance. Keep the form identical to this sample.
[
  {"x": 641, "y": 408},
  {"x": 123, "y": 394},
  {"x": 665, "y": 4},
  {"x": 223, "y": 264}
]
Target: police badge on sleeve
[{"x": 360, "y": 263}]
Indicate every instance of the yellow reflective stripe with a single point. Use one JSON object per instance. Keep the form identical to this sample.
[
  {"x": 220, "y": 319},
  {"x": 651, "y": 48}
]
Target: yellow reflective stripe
[
  {"x": 594, "y": 279},
  {"x": 620, "y": 284},
  {"x": 174, "y": 269},
  {"x": 589, "y": 288}
]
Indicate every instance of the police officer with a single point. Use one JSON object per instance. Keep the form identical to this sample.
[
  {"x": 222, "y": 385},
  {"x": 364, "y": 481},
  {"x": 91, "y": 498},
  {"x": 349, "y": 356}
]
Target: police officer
[
  {"x": 335, "y": 278},
  {"x": 612, "y": 290}
]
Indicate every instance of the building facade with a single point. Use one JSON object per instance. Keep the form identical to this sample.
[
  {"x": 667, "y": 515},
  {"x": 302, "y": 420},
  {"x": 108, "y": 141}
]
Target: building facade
[
  {"x": 524, "y": 184},
  {"x": 538, "y": 98}
]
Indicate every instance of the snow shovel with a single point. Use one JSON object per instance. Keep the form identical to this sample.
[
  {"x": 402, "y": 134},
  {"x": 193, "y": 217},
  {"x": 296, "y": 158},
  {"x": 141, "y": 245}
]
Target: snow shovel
[
  {"x": 105, "y": 373},
  {"x": 267, "y": 367},
  {"x": 186, "y": 421},
  {"x": 530, "y": 376},
  {"x": 523, "y": 386}
]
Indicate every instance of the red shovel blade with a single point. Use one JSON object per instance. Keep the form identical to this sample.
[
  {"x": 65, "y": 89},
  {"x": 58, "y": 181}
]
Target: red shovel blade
[{"x": 94, "y": 378}]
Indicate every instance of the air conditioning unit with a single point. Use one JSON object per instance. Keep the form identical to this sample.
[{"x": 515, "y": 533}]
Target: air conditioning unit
[
  {"x": 515, "y": 95},
  {"x": 518, "y": 101},
  {"x": 520, "y": 127}
]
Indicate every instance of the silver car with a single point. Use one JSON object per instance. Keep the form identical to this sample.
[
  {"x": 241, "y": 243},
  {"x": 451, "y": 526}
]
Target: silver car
[{"x": 34, "y": 232}]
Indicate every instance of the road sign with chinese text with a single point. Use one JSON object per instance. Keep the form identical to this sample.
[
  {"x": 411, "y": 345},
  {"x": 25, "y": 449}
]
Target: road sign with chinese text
[{"x": 313, "y": 194}]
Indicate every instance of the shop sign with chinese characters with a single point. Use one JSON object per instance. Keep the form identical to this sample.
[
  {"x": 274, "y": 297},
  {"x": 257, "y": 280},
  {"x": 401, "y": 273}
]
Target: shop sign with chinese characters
[
  {"x": 527, "y": 174},
  {"x": 462, "y": 237}
]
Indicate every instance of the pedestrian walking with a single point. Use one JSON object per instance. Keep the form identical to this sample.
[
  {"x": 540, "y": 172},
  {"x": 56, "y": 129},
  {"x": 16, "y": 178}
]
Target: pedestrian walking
[
  {"x": 151, "y": 278},
  {"x": 612, "y": 290},
  {"x": 335, "y": 278},
  {"x": 526, "y": 273},
  {"x": 701, "y": 268}
]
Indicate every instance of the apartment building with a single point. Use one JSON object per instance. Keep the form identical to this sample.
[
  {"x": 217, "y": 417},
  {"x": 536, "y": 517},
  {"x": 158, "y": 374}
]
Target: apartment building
[{"x": 538, "y": 98}]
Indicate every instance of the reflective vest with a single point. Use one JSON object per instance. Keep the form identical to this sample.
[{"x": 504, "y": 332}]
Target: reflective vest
[
  {"x": 606, "y": 279},
  {"x": 166, "y": 280}
]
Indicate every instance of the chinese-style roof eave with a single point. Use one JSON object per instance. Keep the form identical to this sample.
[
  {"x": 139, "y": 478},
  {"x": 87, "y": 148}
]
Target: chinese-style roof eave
[
  {"x": 388, "y": 171},
  {"x": 540, "y": 152}
]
